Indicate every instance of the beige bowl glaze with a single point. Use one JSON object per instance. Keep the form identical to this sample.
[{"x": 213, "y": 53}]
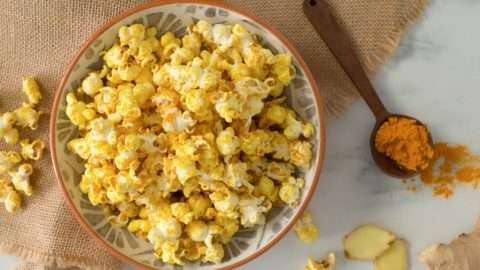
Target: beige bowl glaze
[{"x": 174, "y": 16}]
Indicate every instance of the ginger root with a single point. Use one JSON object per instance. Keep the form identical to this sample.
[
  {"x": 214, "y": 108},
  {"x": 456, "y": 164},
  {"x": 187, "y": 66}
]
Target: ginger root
[
  {"x": 461, "y": 254},
  {"x": 394, "y": 258},
  {"x": 367, "y": 242}
]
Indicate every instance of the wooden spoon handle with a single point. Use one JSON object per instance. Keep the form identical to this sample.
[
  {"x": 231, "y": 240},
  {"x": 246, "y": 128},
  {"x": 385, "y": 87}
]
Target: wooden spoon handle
[{"x": 320, "y": 15}]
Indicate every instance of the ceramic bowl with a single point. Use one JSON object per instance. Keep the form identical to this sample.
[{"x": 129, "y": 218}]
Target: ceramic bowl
[{"x": 174, "y": 16}]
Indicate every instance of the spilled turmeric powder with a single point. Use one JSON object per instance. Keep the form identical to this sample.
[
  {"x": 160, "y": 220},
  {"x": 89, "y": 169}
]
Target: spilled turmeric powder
[
  {"x": 451, "y": 165},
  {"x": 406, "y": 142}
]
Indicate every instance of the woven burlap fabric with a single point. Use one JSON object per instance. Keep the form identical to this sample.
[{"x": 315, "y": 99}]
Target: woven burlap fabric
[{"x": 39, "y": 37}]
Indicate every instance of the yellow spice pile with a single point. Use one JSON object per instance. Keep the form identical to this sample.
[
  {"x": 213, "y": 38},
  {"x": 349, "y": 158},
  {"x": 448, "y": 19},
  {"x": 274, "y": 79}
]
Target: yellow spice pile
[
  {"x": 451, "y": 165},
  {"x": 406, "y": 142}
]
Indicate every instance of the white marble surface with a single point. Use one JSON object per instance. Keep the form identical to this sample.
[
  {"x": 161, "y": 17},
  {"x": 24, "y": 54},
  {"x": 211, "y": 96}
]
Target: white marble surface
[{"x": 435, "y": 75}]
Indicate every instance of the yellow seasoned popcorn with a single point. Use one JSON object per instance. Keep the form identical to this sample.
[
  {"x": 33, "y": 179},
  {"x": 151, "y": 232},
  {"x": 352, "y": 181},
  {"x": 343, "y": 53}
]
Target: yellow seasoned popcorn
[
  {"x": 32, "y": 90},
  {"x": 7, "y": 130},
  {"x": 15, "y": 178},
  {"x": 188, "y": 140},
  {"x": 92, "y": 84},
  {"x": 27, "y": 116},
  {"x": 8, "y": 160},
  {"x": 12, "y": 200},
  {"x": 289, "y": 191},
  {"x": 300, "y": 153},
  {"x": 32, "y": 150},
  {"x": 21, "y": 178},
  {"x": 327, "y": 263},
  {"x": 305, "y": 228}
]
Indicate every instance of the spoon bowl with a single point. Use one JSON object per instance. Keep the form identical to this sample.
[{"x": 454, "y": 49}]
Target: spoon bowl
[{"x": 385, "y": 163}]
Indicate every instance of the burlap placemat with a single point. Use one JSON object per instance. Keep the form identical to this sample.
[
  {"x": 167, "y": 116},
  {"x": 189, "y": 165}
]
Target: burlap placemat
[{"x": 39, "y": 37}]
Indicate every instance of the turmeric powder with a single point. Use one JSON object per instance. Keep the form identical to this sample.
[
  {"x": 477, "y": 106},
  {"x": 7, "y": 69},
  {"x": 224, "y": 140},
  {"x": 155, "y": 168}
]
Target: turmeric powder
[
  {"x": 406, "y": 142},
  {"x": 451, "y": 164}
]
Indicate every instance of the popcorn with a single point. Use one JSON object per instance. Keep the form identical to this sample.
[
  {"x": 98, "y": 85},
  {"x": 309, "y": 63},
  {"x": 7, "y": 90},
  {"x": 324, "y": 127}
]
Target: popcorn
[
  {"x": 214, "y": 253},
  {"x": 300, "y": 153},
  {"x": 32, "y": 150},
  {"x": 21, "y": 179},
  {"x": 27, "y": 116},
  {"x": 15, "y": 178},
  {"x": 8, "y": 160},
  {"x": 289, "y": 193},
  {"x": 7, "y": 130},
  {"x": 92, "y": 84},
  {"x": 199, "y": 204},
  {"x": 12, "y": 201},
  {"x": 186, "y": 141},
  {"x": 32, "y": 90},
  {"x": 306, "y": 229},
  {"x": 266, "y": 187},
  {"x": 182, "y": 212},
  {"x": 197, "y": 230},
  {"x": 327, "y": 263},
  {"x": 252, "y": 211},
  {"x": 78, "y": 112}
]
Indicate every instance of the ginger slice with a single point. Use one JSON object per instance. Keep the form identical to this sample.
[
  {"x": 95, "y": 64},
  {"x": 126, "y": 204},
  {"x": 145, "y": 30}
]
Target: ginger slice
[
  {"x": 327, "y": 263},
  {"x": 461, "y": 254},
  {"x": 394, "y": 258},
  {"x": 367, "y": 242}
]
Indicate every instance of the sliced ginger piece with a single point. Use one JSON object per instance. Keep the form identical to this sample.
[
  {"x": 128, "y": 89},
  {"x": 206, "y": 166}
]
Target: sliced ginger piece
[
  {"x": 327, "y": 263},
  {"x": 367, "y": 242},
  {"x": 394, "y": 258}
]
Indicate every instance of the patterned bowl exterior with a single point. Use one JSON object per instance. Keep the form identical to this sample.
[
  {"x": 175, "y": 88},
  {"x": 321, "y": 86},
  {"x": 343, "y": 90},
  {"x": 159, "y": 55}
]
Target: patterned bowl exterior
[{"x": 248, "y": 243}]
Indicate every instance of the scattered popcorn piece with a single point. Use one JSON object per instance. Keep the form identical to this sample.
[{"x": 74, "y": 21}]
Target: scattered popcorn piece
[
  {"x": 7, "y": 130},
  {"x": 27, "y": 116},
  {"x": 8, "y": 160},
  {"x": 32, "y": 150},
  {"x": 12, "y": 201},
  {"x": 32, "y": 90},
  {"x": 305, "y": 228},
  {"x": 21, "y": 178},
  {"x": 327, "y": 263},
  {"x": 14, "y": 178}
]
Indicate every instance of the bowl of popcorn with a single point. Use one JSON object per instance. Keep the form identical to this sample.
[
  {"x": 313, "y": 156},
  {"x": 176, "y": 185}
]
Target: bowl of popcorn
[{"x": 187, "y": 135}]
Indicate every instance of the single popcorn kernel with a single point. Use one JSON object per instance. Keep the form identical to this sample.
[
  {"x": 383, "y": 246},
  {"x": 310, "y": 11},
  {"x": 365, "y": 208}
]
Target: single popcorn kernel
[
  {"x": 32, "y": 90},
  {"x": 306, "y": 229},
  {"x": 8, "y": 160},
  {"x": 32, "y": 150},
  {"x": 21, "y": 179},
  {"x": 27, "y": 116},
  {"x": 12, "y": 201},
  {"x": 327, "y": 263},
  {"x": 7, "y": 131}
]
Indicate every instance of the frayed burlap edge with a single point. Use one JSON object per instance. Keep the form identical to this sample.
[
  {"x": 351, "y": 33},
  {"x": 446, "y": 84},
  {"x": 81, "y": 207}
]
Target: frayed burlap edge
[
  {"x": 340, "y": 100},
  {"x": 49, "y": 260}
]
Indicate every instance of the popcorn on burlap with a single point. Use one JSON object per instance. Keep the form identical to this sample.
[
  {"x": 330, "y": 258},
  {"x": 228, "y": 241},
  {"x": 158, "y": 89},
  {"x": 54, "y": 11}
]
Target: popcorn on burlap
[{"x": 40, "y": 37}]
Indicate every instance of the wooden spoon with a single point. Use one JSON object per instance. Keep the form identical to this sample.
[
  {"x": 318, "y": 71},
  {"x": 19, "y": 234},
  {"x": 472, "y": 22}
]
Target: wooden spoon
[{"x": 320, "y": 15}]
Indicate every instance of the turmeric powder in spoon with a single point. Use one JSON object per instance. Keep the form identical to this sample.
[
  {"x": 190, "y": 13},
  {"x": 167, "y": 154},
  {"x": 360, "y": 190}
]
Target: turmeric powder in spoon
[{"x": 406, "y": 142}]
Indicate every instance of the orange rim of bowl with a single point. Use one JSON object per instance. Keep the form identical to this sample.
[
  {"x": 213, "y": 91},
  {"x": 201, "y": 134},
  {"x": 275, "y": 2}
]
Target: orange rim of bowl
[{"x": 155, "y": 3}]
